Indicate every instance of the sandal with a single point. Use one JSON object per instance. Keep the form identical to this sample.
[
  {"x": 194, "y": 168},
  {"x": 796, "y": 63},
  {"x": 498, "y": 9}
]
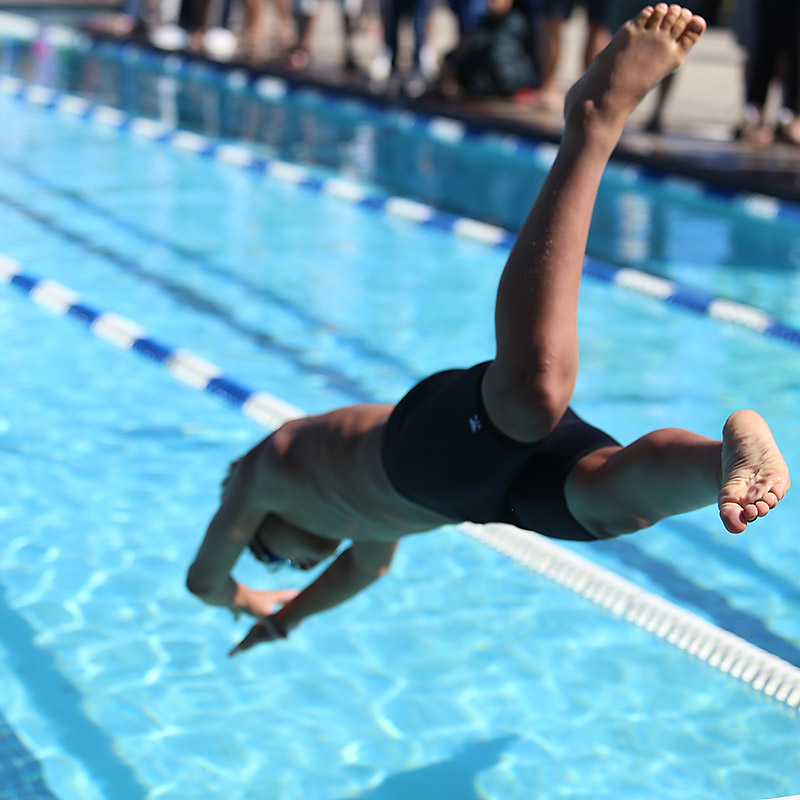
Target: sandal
[
  {"x": 755, "y": 133},
  {"x": 789, "y": 132}
]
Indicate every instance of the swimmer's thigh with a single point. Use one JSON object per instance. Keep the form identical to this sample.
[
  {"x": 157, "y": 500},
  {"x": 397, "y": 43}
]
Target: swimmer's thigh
[{"x": 598, "y": 493}]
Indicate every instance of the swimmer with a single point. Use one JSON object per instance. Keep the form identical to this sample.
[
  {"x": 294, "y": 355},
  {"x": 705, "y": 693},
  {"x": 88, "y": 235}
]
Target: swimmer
[{"x": 497, "y": 442}]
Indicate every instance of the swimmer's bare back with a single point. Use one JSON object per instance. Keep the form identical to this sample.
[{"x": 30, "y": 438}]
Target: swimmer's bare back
[{"x": 325, "y": 474}]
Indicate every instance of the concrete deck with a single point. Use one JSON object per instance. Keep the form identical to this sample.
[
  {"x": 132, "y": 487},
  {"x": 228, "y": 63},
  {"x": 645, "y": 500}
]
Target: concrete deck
[{"x": 701, "y": 114}]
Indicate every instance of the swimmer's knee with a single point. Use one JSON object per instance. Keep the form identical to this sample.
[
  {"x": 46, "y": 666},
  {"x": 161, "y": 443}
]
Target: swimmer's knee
[
  {"x": 526, "y": 403},
  {"x": 606, "y": 520},
  {"x": 597, "y": 496},
  {"x": 614, "y": 528}
]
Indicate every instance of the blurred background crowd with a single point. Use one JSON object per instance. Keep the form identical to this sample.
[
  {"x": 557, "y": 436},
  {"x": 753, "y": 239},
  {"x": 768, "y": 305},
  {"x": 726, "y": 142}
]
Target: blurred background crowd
[{"x": 507, "y": 49}]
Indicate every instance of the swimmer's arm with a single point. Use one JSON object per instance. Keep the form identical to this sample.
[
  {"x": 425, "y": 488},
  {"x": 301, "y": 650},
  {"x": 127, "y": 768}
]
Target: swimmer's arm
[
  {"x": 228, "y": 534},
  {"x": 352, "y": 572}
]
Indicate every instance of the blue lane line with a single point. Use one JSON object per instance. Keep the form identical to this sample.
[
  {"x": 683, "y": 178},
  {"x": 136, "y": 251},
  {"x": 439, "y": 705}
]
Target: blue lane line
[
  {"x": 667, "y": 291},
  {"x": 123, "y": 333},
  {"x": 694, "y": 300},
  {"x": 129, "y": 336},
  {"x": 20, "y": 772},
  {"x": 57, "y": 700},
  {"x": 238, "y": 79},
  {"x": 189, "y": 298}
]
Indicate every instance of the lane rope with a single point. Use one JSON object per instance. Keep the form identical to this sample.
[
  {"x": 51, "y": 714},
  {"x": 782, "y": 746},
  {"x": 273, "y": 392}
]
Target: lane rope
[
  {"x": 184, "y": 366},
  {"x": 725, "y": 651},
  {"x": 690, "y": 299},
  {"x": 442, "y": 128}
]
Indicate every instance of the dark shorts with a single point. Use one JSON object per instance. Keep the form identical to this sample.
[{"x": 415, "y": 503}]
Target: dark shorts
[
  {"x": 441, "y": 451},
  {"x": 596, "y": 10}
]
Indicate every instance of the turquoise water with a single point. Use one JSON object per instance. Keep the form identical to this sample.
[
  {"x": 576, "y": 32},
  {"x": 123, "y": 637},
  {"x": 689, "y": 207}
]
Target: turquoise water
[
  {"x": 460, "y": 674},
  {"x": 669, "y": 229}
]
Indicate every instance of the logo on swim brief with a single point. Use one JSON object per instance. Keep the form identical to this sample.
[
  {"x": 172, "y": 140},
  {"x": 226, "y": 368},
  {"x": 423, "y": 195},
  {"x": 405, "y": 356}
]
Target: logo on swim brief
[{"x": 475, "y": 423}]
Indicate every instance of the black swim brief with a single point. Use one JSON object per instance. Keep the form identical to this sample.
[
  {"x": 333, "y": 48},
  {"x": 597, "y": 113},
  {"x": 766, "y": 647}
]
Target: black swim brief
[{"x": 441, "y": 451}]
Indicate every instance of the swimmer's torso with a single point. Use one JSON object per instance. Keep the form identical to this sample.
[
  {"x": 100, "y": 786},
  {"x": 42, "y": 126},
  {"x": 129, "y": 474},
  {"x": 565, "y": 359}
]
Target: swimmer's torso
[{"x": 324, "y": 474}]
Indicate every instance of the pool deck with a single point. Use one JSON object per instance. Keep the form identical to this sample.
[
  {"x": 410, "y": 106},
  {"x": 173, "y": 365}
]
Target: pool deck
[
  {"x": 700, "y": 115},
  {"x": 699, "y": 118}
]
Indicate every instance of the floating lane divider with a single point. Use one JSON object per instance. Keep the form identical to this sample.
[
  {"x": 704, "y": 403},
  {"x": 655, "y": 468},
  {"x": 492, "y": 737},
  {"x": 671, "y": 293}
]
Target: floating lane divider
[
  {"x": 245, "y": 158},
  {"x": 445, "y": 129},
  {"x": 350, "y": 191},
  {"x": 721, "y": 649},
  {"x": 194, "y": 371}
]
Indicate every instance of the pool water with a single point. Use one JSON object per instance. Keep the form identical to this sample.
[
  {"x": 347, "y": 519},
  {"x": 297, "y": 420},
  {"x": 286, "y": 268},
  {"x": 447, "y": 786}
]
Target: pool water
[
  {"x": 460, "y": 674},
  {"x": 668, "y": 227}
]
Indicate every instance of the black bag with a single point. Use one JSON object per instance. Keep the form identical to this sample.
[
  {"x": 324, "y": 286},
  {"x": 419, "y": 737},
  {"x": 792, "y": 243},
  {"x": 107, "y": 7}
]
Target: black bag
[{"x": 496, "y": 58}]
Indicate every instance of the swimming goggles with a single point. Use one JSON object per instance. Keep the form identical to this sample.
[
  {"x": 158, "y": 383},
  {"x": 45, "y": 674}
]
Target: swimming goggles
[{"x": 267, "y": 557}]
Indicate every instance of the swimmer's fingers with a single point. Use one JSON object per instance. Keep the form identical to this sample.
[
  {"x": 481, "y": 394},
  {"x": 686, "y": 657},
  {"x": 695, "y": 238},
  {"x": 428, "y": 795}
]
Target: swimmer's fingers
[
  {"x": 263, "y": 604},
  {"x": 268, "y": 630},
  {"x": 258, "y": 633}
]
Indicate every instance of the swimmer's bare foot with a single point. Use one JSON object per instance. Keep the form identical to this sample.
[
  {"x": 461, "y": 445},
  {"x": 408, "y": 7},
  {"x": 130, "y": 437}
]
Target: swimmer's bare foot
[
  {"x": 643, "y": 51},
  {"x": 754, "y": 475}
]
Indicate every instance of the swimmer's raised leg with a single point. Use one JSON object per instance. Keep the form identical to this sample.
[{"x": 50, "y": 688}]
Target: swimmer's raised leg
[
  {"x": 643, "y": 52},
  {"x": 671, "y": 471},
  {"x": 530, "y": 382}
]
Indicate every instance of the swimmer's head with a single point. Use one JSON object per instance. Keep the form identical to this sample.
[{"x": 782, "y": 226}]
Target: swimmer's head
[
  {"x": 267, "y": 557},
  {"x": 278, "y": 544}
]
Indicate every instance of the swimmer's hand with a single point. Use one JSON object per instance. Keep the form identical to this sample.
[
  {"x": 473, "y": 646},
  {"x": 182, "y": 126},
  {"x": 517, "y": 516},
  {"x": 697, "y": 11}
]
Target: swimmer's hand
[
  {"x": 259, "y": 604},
  {"x": 268, "y": 630}
]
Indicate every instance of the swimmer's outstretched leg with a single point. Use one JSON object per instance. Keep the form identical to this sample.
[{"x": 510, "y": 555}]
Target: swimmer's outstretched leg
[
  {"x": 619, "y": 490},
  {"x": 529, "y": 385}
]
